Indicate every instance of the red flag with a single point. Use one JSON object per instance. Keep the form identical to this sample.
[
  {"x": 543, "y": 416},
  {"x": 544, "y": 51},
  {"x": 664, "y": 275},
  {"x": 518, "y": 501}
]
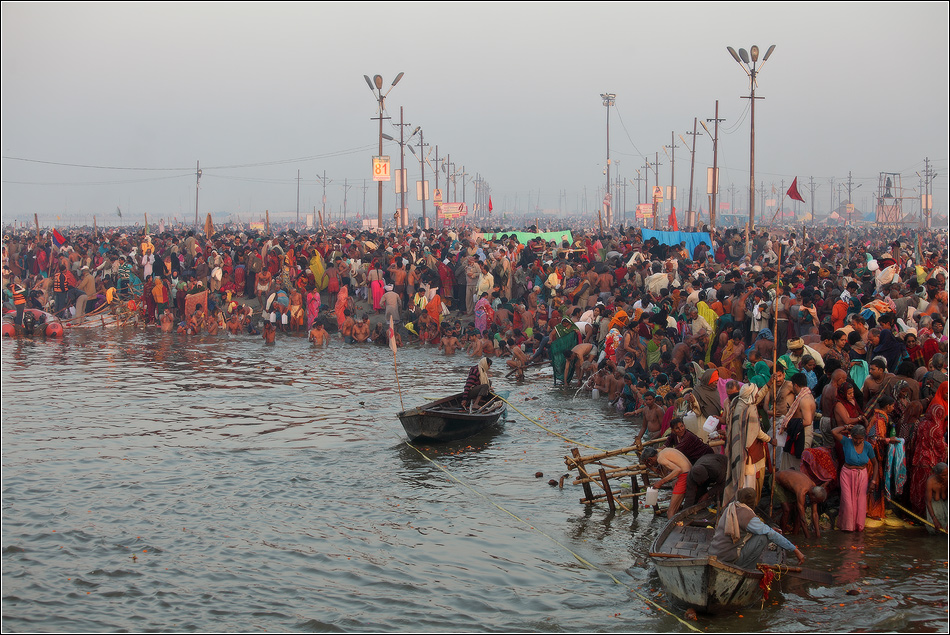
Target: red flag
[
  {"x": 793, "y": 191},
  {"x": 58, "y": 239},
  {"x": 674, "y": 225},
  {"x": 490, "y": 208}
]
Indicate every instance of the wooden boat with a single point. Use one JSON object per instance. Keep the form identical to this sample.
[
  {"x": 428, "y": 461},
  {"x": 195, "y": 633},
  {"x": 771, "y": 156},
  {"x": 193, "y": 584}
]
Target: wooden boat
[
  {"x": 445, "y": 420},
  {"x": 694, "y": 578}
]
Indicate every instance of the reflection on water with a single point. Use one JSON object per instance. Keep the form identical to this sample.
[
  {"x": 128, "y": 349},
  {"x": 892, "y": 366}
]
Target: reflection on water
[{"x": 156, "y": 483}]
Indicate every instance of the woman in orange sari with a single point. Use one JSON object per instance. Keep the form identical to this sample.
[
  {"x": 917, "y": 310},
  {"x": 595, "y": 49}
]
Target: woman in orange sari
[
  {"x": 342, "y": 303},
  {"x": 434, "y": 309}
]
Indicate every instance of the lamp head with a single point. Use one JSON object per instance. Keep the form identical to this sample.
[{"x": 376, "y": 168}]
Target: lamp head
[
  {"x": 768, "y": 52},
  {"x": 378, "y": 80},
  {"x": 398, "y": 77},
  {"x": 744, "y": 55},
  {"x": 754, "y": 52}
]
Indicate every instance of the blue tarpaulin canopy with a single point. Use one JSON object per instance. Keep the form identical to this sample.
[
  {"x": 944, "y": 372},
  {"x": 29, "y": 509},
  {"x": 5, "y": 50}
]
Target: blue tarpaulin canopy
[{"x": 692, "y": 239}]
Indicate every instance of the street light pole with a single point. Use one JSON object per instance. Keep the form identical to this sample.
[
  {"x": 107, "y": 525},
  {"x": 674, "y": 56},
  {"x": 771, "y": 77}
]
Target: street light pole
[
  {"x": 609, "y": 100},
  {"x": 747, "y": 62},
  {"x": 376, "y": 87}
]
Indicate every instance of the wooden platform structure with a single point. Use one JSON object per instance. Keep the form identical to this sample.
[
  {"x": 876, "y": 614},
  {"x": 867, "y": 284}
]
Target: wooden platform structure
[{"x": 592, "y": 469}]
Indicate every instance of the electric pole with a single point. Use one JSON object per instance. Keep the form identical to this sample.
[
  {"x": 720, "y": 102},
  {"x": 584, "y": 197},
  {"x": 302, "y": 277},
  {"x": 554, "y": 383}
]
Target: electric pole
[
  {"x": 690, "y": 213},
  {"x": 714, "y": 186}
]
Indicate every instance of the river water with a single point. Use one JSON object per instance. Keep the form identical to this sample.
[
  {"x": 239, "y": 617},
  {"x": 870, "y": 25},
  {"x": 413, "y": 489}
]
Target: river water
[{"x": 157, "y": 483}]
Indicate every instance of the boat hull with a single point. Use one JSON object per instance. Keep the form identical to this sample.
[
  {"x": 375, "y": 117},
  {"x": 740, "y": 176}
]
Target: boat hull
[
  {"x": 709, "y": 586},
  {"x": 444, "y": 421},
  {"x": 693, "y": 578}
]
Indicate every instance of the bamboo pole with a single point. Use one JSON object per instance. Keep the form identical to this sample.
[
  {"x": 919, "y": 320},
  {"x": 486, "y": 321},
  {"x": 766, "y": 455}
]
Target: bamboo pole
[
  {"x": 603, "y": 455},
  {"x": 904, "y": 509},
  {"x": 580, "y": 468},
  {"x": 617, "y": 497},
  {"x": 778, "y": 277}
]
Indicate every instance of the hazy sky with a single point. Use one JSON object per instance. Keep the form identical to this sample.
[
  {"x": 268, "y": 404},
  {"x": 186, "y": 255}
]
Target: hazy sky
[{"x": 108, "y": 105}]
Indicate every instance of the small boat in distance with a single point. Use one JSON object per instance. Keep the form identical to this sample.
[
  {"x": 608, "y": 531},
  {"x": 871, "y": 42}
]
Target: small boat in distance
[{"x": 445, "y": 420}]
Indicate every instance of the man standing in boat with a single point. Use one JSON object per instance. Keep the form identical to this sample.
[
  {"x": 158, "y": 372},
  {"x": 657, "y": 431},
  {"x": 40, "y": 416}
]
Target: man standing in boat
[
  {"x": 741, "y": 536},
  {"x": 478, "y": 385}
]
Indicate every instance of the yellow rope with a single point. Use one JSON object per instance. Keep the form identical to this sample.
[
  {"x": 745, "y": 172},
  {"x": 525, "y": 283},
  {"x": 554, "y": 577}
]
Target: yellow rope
[
  {"x": 549, "y": 430},
  {"x": 551, "y": 538},
  {"x": 913, "y": 514}
]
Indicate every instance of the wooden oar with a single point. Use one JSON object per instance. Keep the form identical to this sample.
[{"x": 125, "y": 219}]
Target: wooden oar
[{"x": 489, "y": 402}]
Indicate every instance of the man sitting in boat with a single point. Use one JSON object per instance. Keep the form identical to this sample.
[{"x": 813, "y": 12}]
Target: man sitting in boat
[
  {"x": 741, "y": 536},
  {"x": 478, "y": 385}
]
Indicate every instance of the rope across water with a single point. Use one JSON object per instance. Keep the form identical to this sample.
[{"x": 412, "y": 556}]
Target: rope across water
[
  {"x": 579, "y": 558},
  {"x": 576, "y": 555}
]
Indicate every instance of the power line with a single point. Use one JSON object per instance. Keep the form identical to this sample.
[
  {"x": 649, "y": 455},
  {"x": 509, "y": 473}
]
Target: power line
[{"x": 190, "y": 170}]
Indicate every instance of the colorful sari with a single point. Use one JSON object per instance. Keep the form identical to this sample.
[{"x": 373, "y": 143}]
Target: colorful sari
[
  {"x": 930, "y": 448},
  {"x": 434, "y": 309},
  {"x": 313, "y": 307},
  {"x": 877, "y": 437},
  {"x": 342, "y": 299},
  {"x": 482, "y": 314}
]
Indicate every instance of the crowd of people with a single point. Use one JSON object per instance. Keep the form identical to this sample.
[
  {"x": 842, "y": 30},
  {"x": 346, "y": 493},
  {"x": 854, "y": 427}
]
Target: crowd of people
[{"x": 827, "y": 344}]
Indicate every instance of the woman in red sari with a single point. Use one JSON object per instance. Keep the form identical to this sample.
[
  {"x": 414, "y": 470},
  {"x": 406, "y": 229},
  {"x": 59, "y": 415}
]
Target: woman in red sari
[{"x": 930, "y": 448}]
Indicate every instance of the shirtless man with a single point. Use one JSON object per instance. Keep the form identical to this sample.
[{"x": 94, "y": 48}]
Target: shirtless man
[
  {"x": 297, "y": 314},
  {"x": 270, "y": 332},
  {"x": 683, "y": 352},
  {"x": 211, "y": 325},
  {"x": 614, "y": 384},
  {"x": 527, "y": 318},
  {"x": 518, "y": 359},
  {"x": 878, "y": 380},
  {"x": 234, "y": 323},
  {"x": 675, "y": 467},
  {"x": 318, "y": 334},
  {"x": 449, "y": 342},
  {"x": 935, "y": 493},
  {"x": 361, "y": 330},
  {"x": 599, "y": 379},
  {"x": 346, "y": 329},
  {"x": 579, "y": 354},
  {"x": 795, "y": 485},
  {"x": 828, "y": 398},
  {"x": 652, "y": 418},
  {"x": 482, "y": 346},
  {"x": 195, "y": 320},
  {"x": 798, "y": 423},
  {"x": 168, "y": 321}
]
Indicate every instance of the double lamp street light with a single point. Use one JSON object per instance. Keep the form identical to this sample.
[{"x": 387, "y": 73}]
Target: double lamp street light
[
  {"x": 376, "y": 87},
  {"x": 748, "y": 60}
]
